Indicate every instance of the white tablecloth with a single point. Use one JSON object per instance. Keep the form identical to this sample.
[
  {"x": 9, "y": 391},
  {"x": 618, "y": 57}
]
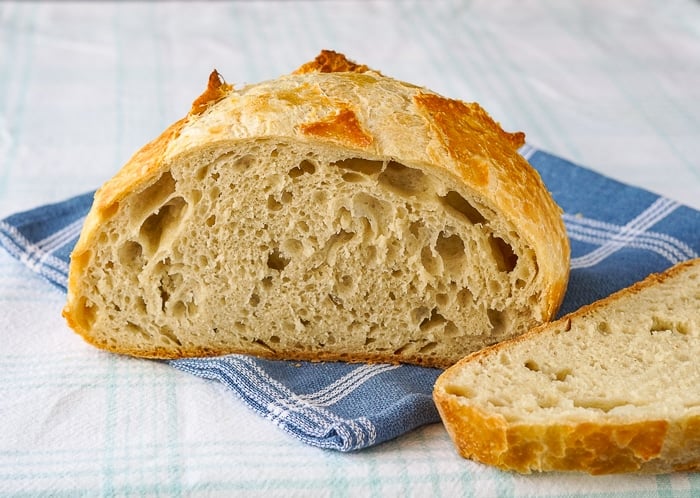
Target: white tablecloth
[{"x": 614, "y": 86}]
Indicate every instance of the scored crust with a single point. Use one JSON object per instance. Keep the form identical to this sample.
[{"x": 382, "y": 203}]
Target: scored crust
[
  {"x": 595, "y": 445},
  {"x": 387, "y": 118}
]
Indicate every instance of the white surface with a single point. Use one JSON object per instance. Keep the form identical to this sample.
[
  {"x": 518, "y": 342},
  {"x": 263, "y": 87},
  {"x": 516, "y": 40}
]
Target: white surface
[{"x": 614, "y": 86}]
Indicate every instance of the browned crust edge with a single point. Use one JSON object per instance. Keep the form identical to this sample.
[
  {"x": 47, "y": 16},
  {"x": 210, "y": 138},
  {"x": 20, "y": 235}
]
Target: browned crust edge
[
  {"x": 159, "y": 353},
  {"x": 329, "y": 61}
]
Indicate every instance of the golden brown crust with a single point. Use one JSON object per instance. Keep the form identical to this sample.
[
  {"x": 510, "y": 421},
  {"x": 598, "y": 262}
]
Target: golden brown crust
[
  {"x": 169, "y": 353},
  {"x": 216, "y": 90},
  {"x": 650, "y": 446},
  {"x": 343, "y": 128},
  {"x": 329, "y": 61},
  {"x": 584, "y": 447}
]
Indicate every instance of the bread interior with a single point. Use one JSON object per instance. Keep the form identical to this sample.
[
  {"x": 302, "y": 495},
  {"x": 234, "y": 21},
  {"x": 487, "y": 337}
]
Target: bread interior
[{"x": 273, "y": 249}]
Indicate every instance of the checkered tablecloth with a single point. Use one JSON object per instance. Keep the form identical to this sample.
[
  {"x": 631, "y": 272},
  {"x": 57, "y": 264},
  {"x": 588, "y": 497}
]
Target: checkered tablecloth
[{"x": 82, "y": 86}]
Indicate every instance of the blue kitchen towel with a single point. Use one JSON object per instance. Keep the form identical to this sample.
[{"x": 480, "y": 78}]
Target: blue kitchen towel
[{"x": 619, "y": 234}]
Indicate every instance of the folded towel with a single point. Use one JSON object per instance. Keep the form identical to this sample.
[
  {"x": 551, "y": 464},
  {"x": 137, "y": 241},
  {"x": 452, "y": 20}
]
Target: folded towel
[{"x": 619, "y": 234}]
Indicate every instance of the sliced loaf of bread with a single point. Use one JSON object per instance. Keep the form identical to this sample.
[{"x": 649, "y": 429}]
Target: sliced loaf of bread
[
  {"x": 613, "y": 387},
  {"x": 330, "y": 214}
]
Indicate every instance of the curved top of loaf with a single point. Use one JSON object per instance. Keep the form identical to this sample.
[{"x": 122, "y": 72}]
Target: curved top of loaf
[{"x": 331, "y": 102}]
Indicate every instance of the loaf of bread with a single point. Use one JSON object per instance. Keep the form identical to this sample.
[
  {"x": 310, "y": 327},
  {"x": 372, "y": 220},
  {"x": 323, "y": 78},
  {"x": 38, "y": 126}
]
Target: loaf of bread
[
  {"x": 330, "y": 214},
  {"x": 610, "y": 388}
]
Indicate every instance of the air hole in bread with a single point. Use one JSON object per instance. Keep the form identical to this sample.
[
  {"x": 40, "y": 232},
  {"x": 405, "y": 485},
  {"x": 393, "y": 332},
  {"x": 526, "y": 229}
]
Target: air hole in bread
[
  {"x": 430, "y": 261},
  {"x": 137, "y": 329},
  {"x": 428, "y": 347},
  {"x": 319, "y": 196},
  {"x": 210, "y": 221},
  {"x": 164, "y": 296},
  {"x": 532, "y": 365},
  {"x": 604, "y": 405},
  {"x": 192, "y": 308},
  {"x": 367, "y": 230},
  {"x": 195, "y": 196},
  {"x": 418, "y": 229},
  {"x": 402, "y": 180},
  {"x": 130, "y": 254},
  {"x": 104, "y": 238},
  {"x": 498, "y": 321},
  {"x": 335, "y": 300},
  {"x": 254, "y": 300},
  {"x": 263, "y": 345},
  {"x": 498, "y": 402},
  {"x": 603, "y": 327},
  {"x": 433, "y": 321},
  {"x": 463, "y": 207},
  {"x": 169, "y": 335},
  {"x": 168, "y": 285},
  {"x": 458, "y": 390},
  {"x": 352, "y": 177},
  {"x": 88, "y": 313},
  {"x": 451, "y": 250},
  {"x": 202, "y": 173},
  {"x": 344, "y": 285},
  {"x": 152, "y": 197},
  {"x": 503, "y": 254},
  {"x": 358, "y": 165},
  {"x": 305, "y": 168},
  {"x": 562, "y": 375},
  {"x": 377, "y": 212},
  {"x": 335, "y": 242},
  {"x": 451, "y": 329},
  {"x": 158, "y": 227},
  {"x": 140, "y": 305},
  {"x": 659, "y": 324},
  {"x": 277, "y": 261},
  {"x": 465, "y": 297},
  {"x": 178, "y": 309},
  {"x": 405, "y": 348},
  {"x": 214, "y": 193},
  {"x": 370, "y": 253},
  {"x": 243, "y": 162},
  {"x": 273, "y": 204}
]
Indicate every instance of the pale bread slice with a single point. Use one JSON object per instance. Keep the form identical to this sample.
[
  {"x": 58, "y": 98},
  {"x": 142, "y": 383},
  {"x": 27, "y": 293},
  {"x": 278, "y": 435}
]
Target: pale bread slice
[{"x": 613, "y": 387}]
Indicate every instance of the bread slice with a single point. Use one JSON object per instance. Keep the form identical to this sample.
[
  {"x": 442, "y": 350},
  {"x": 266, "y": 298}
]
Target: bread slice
[
  {"x": 330, "y": 214},
  {"x": 610, "y": 388}
]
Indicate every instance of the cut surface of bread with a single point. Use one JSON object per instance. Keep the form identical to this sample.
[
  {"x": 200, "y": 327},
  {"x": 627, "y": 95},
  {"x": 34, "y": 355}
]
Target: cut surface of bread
[
  {"x": 610, "y": 388},
  {"x": 330, "y": 214}
]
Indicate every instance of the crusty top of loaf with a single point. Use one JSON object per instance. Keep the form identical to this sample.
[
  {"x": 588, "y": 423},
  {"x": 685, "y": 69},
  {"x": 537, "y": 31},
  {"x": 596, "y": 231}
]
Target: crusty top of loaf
[{"x": 334, "y": 101}]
